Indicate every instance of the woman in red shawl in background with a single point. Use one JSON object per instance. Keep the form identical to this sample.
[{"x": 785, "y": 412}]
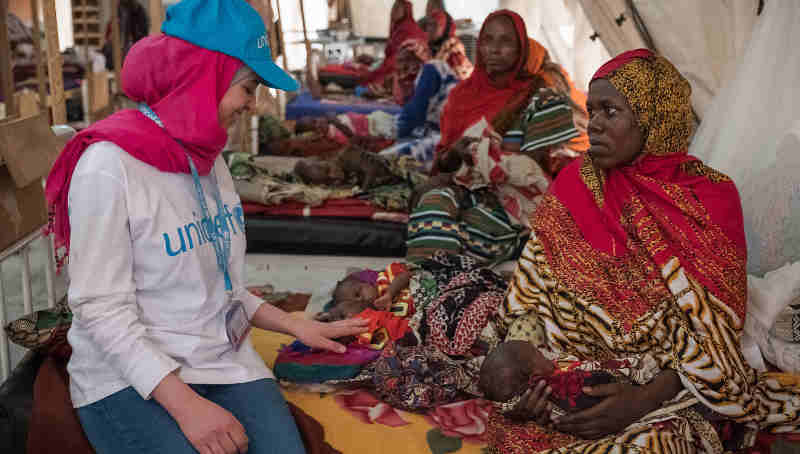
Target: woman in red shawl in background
[
  {"x": 636, "y": 262},
  {"x": 402, "y": 28},
  {"x": 498, "y": 91},
  {"x": 511, "y": 69},
  {"x": 444, "y": 44}
]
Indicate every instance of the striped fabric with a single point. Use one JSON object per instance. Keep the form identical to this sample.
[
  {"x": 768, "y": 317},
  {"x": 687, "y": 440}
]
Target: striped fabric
[
  {"x": 441, "y": 222},
  {"x": 547, "y": 121}
]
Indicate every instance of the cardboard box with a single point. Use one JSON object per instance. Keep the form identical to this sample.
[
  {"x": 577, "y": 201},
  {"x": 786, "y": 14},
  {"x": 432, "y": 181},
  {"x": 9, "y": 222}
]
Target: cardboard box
[
  {"x": 28, "y": 148},
  {"x": 22, "y": 210}
]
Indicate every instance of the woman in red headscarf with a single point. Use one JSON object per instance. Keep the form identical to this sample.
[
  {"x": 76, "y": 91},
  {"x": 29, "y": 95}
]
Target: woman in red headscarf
[
  {"x": 636, "y": 266},
  {"x": 444, "y": 44},
  {"x": 402, "y": 28},
  {"x": 497, "y": 91},
  {"x": 500, "y": 184}
]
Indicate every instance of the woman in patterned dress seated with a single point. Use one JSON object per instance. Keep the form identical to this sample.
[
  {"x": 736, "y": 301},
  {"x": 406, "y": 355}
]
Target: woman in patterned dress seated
[{"x": 637, "y": 258}]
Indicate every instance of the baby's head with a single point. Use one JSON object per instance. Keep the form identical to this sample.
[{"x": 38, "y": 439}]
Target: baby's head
[
  {"x": 311, "y": 124},
  {"x": 353, "y": 288},
  {"x": 507, "y": 370},
  {"x": 350, "y": 297},
  {"x": 315, "y": 171}
]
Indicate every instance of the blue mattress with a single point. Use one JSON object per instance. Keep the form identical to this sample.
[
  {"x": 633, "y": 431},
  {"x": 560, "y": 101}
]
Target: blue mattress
[{"x": 305, "y": 105}]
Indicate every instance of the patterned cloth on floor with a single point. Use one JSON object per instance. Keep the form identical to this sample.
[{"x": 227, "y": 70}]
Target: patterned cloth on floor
[
  {"x": 420, "y": 378},
  {"x": 465, "y": 305},
  {"x": 424, "y": 376}
]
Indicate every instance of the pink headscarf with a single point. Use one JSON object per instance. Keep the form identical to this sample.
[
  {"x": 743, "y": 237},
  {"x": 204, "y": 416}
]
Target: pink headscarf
[{"x": 184, "y": 85}]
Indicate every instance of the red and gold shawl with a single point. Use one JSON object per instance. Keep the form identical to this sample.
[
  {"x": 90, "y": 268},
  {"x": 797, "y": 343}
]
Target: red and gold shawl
[{"x": 608, "y": 235}]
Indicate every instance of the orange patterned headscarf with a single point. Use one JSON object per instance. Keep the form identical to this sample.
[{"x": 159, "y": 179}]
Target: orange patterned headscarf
[
  {"x": 609, "y": 235},
  {"x": 659, "y": 96}
]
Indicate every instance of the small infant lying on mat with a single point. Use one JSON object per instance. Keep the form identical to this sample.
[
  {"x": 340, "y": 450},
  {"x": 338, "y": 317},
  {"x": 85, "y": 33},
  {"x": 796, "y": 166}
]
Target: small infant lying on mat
[
  {"x": 382, "y": 297},
  {"x": 352, "y": 165}
]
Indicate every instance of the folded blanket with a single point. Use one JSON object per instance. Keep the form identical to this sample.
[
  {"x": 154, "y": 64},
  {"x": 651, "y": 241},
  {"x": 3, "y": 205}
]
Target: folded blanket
[{"x": 299, "y": 363}]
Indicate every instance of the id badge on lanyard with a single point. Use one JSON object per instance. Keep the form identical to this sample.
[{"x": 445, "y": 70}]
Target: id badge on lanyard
[{"x": 237, "y": 324}]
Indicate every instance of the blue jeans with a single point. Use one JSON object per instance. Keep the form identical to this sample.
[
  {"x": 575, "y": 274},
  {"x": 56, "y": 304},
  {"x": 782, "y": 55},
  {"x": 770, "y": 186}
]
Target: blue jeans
[{"x": 124, "y": 423}]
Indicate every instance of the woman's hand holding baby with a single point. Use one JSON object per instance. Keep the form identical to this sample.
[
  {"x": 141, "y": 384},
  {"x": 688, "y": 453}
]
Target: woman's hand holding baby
[
  {"x": 623, "y": 405},
  {"x": 535, "y": 405}
]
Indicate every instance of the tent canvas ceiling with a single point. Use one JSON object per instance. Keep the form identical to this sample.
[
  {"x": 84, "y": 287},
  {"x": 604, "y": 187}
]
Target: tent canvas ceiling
[{"x": 703, "y": 38}]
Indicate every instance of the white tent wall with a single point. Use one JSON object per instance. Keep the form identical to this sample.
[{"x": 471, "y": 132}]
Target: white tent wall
[
  {"x": 703, "y": 39},
  {"x": 602, "y": 14},
  {"x": 755, "y": 111},
  {"x": 371, "y": 17},
  {"x": 752, "y": 133},
  {"x": 587, "y": 54},
  {"x": 472, "y": 9}
]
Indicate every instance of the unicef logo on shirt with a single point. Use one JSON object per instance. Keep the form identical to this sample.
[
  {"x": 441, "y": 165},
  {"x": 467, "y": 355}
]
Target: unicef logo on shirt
[
  {"x": 263, "y": 42},
  {"x": 204, "y": 231}
]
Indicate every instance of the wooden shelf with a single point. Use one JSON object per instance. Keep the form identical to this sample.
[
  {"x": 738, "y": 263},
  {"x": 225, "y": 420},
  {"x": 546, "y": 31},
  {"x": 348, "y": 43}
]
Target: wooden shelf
[
  {"x": 89, "y": 35},
  {"x": 84, "y": 21},
  {"x": 85, "y": 9},
  {"x": 86, "y": 26}
]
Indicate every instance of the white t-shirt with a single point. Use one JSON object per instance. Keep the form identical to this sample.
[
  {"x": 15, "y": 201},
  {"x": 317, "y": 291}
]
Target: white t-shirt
[{"x": 146, "y": 293}]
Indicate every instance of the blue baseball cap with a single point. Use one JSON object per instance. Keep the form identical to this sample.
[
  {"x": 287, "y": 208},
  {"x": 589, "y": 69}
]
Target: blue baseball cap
[{"x": 231, "y": 27}]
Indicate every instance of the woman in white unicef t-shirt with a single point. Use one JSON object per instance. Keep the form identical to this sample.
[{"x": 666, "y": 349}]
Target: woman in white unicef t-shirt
[{"x": 154, "y": 233}]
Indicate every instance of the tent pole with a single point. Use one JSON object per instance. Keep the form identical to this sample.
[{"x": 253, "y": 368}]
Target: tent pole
[
  {"x": 305, "y": 35},
  {"x": 54, "y": 63},
  {"x": 90, "y": 80},
  {"x": 5, "y": 63},
  {"x": 156, "y": 16},
  {"x": 116, "y": 44},
  {"x": 285, "y": 58},
  {"x": 37, "y": 52}
]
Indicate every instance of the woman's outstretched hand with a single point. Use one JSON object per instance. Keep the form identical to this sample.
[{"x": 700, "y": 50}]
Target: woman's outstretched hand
[{"x": 320, "y": 334}]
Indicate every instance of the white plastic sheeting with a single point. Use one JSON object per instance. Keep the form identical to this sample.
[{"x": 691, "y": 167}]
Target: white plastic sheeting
[
  {"x": 703, "y": 39},
  {"x": 752, "y": 133},
  {"x": 617, "y": 37}
]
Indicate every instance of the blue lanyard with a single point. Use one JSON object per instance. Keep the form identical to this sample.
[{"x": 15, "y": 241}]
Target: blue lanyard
[{"x": 219, "y": 237}]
